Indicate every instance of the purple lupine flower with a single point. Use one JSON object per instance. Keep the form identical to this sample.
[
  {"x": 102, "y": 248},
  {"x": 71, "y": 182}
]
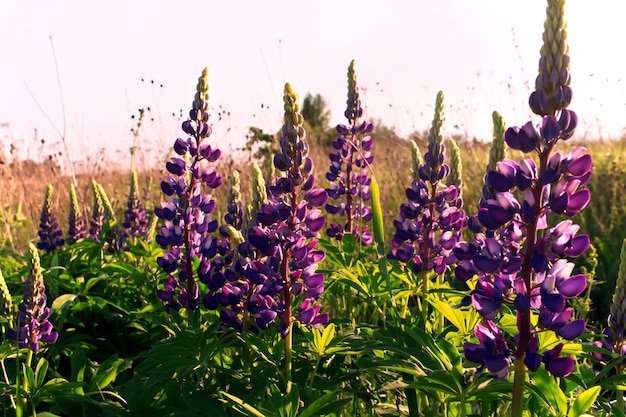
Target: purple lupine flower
[
  {"x": 492, "y": 350},
  {"x": 50, "y": 234},
  {"x": 187, "y": 237},
  {"x": 285, "y": 235},
  {"x": 32, "y": 325},
  {"x": 430, "y": 222},
  {"x": 135, "y": 218},
  {"x": 350, "y": 162},
  {"x": 76, "y": 224},
  {"x": 519, "y": 260}
]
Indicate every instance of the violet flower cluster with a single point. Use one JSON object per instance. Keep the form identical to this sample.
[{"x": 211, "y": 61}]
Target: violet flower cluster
[
  {"x": 431, "y": 221},
  {"x": 135, "y": 218},
  {"x": 285, "y": 236},
  {"x": 50, "y": 234},
  {"x": 32, "y": 325},
  {"x": 187, "y": 236},
  {"x": 518, "y": 258},
  {"x": 351, "y": 159}
]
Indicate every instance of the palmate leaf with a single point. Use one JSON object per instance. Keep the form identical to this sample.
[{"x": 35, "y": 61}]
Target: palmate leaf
[{"x": 464, "y": 321}]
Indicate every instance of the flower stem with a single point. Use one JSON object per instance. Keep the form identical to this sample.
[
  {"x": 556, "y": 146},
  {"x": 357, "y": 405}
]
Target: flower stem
[
  {"x": 619, "y": 393},
  {"x": 518, "y": 387}
]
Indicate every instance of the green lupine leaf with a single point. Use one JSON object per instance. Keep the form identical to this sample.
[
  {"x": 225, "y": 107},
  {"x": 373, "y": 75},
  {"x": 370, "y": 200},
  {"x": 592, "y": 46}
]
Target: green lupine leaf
[
  {"x": 325, "y": 405},
  {"x": 40, "y": 372},
  {"x": 241, "y": 406},
  {"x": 584, "y": 401}
]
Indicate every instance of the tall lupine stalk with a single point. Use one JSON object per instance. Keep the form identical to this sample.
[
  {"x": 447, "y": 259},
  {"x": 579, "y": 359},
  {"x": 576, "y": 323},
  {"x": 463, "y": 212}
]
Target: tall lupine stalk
[
  {"x": 259, "y": 194},
  {"x": 98, "y": 217},
  {"x": 430, "y": 222},
  {"x": 6, "y": 304},
  {"x": 615, "y": 333},
  {"x": 519, "y": 259},
  {"x": 135, "y": 218},
  {"x": 456, "y": 166},
  {"x": 116, "y": 235},
  {"x": 31, "y": 324},
  {"x": 416, "y": 160},
  {"x": 187, "y": 237},
  {"x": 350, "y": 162},
  {"x": 50, "y": 234},
  {"x": 76, "y": 224},
  {"x": 288, "y": 224}
]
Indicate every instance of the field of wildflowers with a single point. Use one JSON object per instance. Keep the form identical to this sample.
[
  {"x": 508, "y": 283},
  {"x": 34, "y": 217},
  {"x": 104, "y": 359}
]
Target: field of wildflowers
[{"x": 305, "y": 284}]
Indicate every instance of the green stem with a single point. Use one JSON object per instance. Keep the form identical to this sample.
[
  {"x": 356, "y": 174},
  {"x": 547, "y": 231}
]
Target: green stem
[
  {"x": 23, "y": 401},
  {"x": 518, "y": 387},
  {"x": 288, "y": 341},
  {"x": 6, "y": 379},
  {"x": 288, "y": 349},
  {"x": 620, "y": 394}
]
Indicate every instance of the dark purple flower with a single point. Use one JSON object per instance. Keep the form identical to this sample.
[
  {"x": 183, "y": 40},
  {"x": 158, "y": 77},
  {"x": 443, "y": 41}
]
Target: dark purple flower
[
  {"x": 350, "y": 164},
  {"x": 32, "y": 325},
  {"x": 187, "y": 236},
  {"x": 135, "y": 218},
  {"x": 50, "y": 234},
  {"x": 430, "y": 223}
]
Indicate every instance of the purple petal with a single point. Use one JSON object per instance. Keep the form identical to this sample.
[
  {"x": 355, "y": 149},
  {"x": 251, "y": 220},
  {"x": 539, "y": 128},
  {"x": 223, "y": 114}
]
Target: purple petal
[
  {"x": 561, "y": 367},
  {"x": 572, "y": 330},
  {"x": 572, "y": 286}
]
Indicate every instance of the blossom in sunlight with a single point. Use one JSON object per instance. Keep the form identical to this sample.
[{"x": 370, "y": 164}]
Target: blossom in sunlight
[
  {"x": 430, "y": 222},
  {"x": 519, "y": 259},
  {"x": 76, "y": 224},
  {"x": 32, "y": 325},
  {"x": 187, "y": 236},
  {"x": 135, "y": 218},
  {"x": 50, "y": 234},
  {"x": 350, "y": 162}
]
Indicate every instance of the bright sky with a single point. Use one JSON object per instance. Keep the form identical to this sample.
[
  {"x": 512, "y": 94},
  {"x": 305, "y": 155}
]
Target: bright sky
[{"x": 482, "y": 53}]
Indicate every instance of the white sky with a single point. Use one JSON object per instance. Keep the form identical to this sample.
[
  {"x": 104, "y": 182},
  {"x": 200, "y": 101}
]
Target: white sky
[{"x": 482, "y": 53}]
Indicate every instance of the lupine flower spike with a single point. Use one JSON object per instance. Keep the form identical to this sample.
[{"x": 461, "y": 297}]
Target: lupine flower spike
[
  {"x": 430, "y": 223},
  {"x": 50, "y": 235},
  {"x": 519, "y": 259},
  {"x": 456, "y": 167},
  {"x": 416, "y": 160},
  {"x": 6, "y": 304},
  {"x": 350, "y": 163},
  {"x": 135, "y": 218},
  {"x": 98, "y": 217},
  {"x": 116, "y": 235},
  {"x": 32, "y": 326},
  {"x": 615, "y": 334},
  {"x": 617, "y": 319},
  {"x": 187, "y": 236},
  {"x": 288, "y": 224},
  {"x": 259, "y": 194},
  {"x": 76, "y": 224}
]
